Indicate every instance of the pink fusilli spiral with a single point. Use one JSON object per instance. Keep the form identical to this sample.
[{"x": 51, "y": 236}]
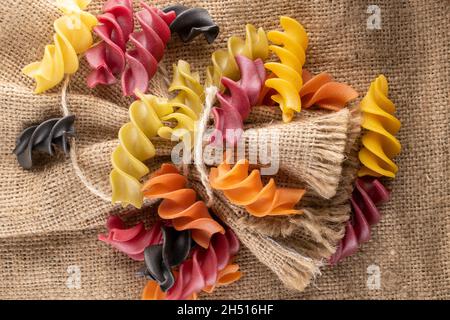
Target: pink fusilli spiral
[
  {"x": 107, "y": 58},
  {"x": 149, "y": 45},
  {"x": 203, "y": 271},
  {"x": 132, "y": 241},
  {"x": 367, "y": 195},
  {"x": 235, "y": 105}
]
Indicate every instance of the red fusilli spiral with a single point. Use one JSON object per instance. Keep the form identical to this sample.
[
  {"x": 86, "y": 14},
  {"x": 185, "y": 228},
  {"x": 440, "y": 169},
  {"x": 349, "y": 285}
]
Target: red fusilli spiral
[
  {"x": 107, "y": 58},
  {"x": 235, "y": 105},
  {"x": 149, "y": 45},
  {"x": 206, "y": 270},
  {"x": 132, "y": 241},
  {"x": 367, "y": 195}
]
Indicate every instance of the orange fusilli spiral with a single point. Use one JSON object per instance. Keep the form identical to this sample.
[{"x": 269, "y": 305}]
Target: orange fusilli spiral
[
  {"x": 180, "y": 205},
  {"x": 248, "y": 190},
  {"x": 323, "y": 91},
  {"x": 319, "y": 90}
]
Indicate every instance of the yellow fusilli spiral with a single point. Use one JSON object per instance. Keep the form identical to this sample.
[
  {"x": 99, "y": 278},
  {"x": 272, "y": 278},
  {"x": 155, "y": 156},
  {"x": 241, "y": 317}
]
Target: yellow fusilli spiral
[
  {"x": 73, "y": 36},
  {"x": 150, "y": 117},
  {"x": 379, "y": 144},
  {"x": 253, "y": 47},
  {"x": 187, "y": 105},
  {"x": 290, "y": 46},
  {"x": 135, "y": 148}
]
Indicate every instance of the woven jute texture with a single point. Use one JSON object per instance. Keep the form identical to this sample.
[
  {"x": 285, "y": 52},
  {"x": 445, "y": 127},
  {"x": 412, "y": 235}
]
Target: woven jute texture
[{"x": 49, "y": 220}]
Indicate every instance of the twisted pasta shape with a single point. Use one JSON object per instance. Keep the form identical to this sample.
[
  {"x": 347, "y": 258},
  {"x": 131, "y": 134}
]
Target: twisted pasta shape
[
  {"x": 107, "y": 58},
  {"x": 132, "y": 241},
  {"x": 73, "y": 36},
  {"x": 147, "y": 116},
  {"x": 206, "y": 270},
  {"x": 290, "y": 46},
  {"x": 236, "y": 105},
  {"x": 180, "y": 205},
  {"x": 153, "y": 291},
  {"x": 191, "y": 22},
  {"x": 43, "y": 138},
  {"x": 246, "y": 190},
  {"x": 322, "y": 91},
  {"x": 149, "y": 45},
  {"x": 379, "y": 143},
  {"x": 367, "y": 195},
  {"x": 187, "y": 105},
  {"x": 135, "y": 148},
  {"x": 255, "y": 46},
  {"x": 161, "y": 258}
]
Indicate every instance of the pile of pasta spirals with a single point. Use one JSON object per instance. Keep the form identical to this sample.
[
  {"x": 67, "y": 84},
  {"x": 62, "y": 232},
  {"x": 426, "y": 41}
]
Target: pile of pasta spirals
[{"x": 189, "y": 250}]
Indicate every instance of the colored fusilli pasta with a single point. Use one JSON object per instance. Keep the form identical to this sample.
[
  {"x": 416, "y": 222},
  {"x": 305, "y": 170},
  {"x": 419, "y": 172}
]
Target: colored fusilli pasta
[
  {"x": 187, "y": 105},
  {"x": 73, "y": 36},
  {"x": 161, "y": 258},
  {"x": 191, "y": 22},
  {"x": 367, "y": 195},
  {"x": 132, "y": 241},
  {"x": 290, "y": 46},
  {"x": 255, "y": 46},
  {"x": 322, "y": 91},
  {"x": 107, "y": 58},
  {"x": 379, "y": 143},
  {"x": 246, "y": 190},
  {"x": 110, "y": 59},
  {"x": 236, "y": 103},
  {"x": 180, "y": 205},
  {"x": 43, "y": 138},
  {"x": 149, "y": 45},
  {"x": 147, "y": 115},
  {"x": 206, "y": 270},
  {"x": 135, "y": 148}
]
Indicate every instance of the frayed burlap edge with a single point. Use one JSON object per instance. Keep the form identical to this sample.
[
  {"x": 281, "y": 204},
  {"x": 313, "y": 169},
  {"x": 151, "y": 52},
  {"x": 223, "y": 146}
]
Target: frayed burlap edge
[{"x": 295, "y": 248}]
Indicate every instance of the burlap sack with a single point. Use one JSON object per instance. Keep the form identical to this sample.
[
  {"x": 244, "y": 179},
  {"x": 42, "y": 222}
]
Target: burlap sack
[{"x": 49, "y": 221}]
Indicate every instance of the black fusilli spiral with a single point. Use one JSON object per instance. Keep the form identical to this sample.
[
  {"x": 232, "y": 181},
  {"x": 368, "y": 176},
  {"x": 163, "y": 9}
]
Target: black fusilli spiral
[
  {"x": 160, "y": 259},
  {"x": 43, "y": 138},
  {"x": 191, "y": 22}
]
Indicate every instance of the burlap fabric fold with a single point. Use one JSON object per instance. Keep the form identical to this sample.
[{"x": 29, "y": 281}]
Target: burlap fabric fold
[{"x": 49, "y": 220}]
